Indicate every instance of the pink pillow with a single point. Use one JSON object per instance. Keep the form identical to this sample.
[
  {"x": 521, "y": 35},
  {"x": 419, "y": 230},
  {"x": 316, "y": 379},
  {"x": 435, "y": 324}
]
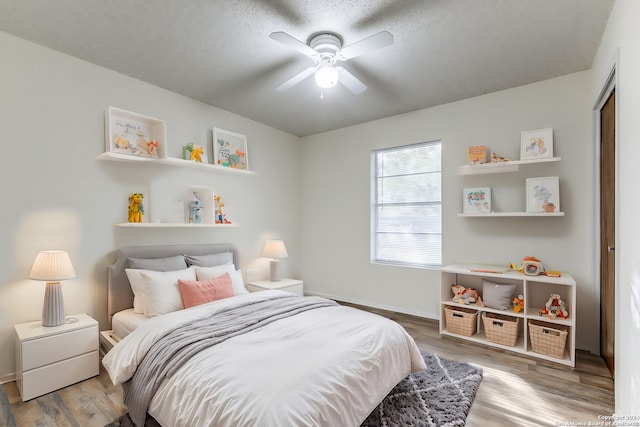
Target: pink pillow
[{"x": 196, "y": 293}]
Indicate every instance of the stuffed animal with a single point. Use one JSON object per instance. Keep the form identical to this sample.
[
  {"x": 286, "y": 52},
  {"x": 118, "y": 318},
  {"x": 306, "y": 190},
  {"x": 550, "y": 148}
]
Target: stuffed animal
[
  {"x": 554, "y": 308},
  {"x": 136, "y": 208},
  {"x": 196, "y": 153},
  {"x": 462, "y": 295},
  {"x": 518, "y": 304}
]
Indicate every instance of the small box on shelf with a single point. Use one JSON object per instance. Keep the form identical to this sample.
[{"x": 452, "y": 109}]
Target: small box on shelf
[{"x": 477, "y": 154}]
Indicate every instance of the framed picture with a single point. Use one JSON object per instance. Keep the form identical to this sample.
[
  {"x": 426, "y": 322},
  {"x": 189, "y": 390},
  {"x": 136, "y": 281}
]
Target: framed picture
[
  {"x": 543, "y": 194},
  {"x": 230, "y": 149},
  {"x": 536, "y": 144},
  {"x": 135, "y": 134},
  {"x": 476, "y": 200}
]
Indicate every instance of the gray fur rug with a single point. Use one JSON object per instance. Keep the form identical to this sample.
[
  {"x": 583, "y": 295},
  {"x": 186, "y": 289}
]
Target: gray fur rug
[{"x": 439, "y": 396}]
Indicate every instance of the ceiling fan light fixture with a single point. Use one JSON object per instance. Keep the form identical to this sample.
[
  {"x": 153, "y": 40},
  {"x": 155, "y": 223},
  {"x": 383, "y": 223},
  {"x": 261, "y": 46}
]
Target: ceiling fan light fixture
[{"x": 326, "y": 76}]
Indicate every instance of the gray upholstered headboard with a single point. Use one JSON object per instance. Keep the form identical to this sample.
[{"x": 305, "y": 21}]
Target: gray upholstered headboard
[{"x": 120, "y": 294}]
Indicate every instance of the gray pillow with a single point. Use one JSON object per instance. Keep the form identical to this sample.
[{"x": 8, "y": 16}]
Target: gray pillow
[
  {"x": 211, "y": 260},
  {"x": 170, "y": 263},
  {"x": 497, "y": 295}
]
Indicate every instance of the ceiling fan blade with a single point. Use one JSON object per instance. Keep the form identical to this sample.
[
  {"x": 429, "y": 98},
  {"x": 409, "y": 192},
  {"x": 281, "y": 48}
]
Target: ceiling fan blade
[
  {"x": 350, "y": 81},
  {"x": 293, "y": 43},
  {"x": 296, "y": 79},
  {"x": 376, "y": 41}
]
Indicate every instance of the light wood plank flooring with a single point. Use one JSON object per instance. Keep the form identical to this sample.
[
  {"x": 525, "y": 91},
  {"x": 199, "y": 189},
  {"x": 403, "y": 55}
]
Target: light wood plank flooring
[{"x": 516, "y": 390}]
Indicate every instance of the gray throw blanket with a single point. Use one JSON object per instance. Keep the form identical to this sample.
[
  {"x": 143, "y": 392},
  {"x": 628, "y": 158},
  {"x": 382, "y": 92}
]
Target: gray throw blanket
[{"x": 168, "y": 354}]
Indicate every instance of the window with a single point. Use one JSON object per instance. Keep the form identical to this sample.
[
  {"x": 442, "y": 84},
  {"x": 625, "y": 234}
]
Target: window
[{"x": 407, "y": 205}]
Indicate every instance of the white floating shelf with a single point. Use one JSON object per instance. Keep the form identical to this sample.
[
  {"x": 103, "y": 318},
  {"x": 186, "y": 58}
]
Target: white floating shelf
[
  {"x": 502, "y": 167},
  {"x": 171, "y": 225},
  {"x": 503, "y": 214},
  {"x": 172, "y": 161}
]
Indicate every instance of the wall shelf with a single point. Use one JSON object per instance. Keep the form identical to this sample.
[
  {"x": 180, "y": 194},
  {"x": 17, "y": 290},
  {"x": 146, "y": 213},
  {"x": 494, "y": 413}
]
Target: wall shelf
[
  {"x": 502, "y": 167},
  {"x": 510, "y": 214},
  {"x": 171, "y": 225},
  {"x": 172, "y": 161}
]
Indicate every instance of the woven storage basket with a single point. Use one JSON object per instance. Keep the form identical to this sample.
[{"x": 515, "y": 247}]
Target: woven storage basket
[
  {"x": 500, "y": 329},
  {"x": 546, "y": 339},
  {"x": 460, "y": 320}
]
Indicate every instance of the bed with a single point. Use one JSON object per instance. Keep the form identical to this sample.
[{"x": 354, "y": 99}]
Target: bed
[{"x": 267, "y": 358}]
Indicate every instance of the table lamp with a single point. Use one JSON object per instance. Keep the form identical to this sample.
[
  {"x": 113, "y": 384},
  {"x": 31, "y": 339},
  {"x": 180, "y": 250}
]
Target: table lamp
[
  {"x": 52, "y": 267},
  {"x": 274, "y": 249}
]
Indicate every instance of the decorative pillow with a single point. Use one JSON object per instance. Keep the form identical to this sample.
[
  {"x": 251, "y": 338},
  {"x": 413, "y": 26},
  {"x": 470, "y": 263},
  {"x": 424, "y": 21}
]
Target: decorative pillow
[
  {"x": 207, "y": 273},
  {"x": 209, "y": 260},
  {"x": 159, "y": 289},
  {"x": 170, "y": 263},
  {"x": 196, "y": 293},
  {"x": 497, "y": 295}
]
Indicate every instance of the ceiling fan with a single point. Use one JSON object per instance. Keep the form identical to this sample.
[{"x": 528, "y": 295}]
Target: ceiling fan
[{"x": 325, "y": 49}]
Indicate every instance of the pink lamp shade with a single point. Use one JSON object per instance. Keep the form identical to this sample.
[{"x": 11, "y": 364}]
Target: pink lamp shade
[{"x": 52, "y": 267}]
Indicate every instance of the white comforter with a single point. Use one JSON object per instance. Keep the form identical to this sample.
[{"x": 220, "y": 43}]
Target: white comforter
[{"x": 323, "y": 367}]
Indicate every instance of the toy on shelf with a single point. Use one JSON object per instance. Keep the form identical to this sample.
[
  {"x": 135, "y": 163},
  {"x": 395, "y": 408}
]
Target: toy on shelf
[
  {"x": 531, "y": 266},
  {"x": 194, "y": 152},
  {"x": 518, "y": 304},
  {"x": 221, "y": 218},
  {"x": 195, "y": 210},
  {"x": 554, "y": 308},
  {"x": 463, "y": 295},
  {"x": 499, "y": 159},
  {"x": 136, "y": 208}
]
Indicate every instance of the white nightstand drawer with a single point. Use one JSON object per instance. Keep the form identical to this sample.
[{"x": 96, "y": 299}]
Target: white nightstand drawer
[
  {"x": 42, "y": 351},
  {"x": 288, "y": 285},
  {"x": 44, "y": 380}
]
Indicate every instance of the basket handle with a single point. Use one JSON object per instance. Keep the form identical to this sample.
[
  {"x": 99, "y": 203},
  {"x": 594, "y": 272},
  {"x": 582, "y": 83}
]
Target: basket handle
[
  {"x": 550, "y": 332},
  {"x": 498, "y": 323},
  {"x": 457, "y": 315}
]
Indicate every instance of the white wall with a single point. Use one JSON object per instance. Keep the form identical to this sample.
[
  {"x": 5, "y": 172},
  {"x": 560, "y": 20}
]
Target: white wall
[
  {"x": 335, "y": 205},
  {"x": 621, "y": 38},
  {"x": 56, "y": 195}
]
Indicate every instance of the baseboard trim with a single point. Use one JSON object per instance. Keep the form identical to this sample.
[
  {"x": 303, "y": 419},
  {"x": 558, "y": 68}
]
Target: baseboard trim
[
  {"x": 374, "y": 305},
  {"x": 8, "y": 378}
]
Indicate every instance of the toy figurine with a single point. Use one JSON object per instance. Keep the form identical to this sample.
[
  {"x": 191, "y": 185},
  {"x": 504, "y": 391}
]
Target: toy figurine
[
  {"x": 195, "y": 210},
  {"x": 136, "y": 208},
  {"x": 221, "y": 218},
  {"x": 554, "y": 308},
  {"x": 531, "y": 266},
  {"x": 499, "y": 159},
  {"x": 196, "y": 153},
  {"x": 518, "y": 304}
]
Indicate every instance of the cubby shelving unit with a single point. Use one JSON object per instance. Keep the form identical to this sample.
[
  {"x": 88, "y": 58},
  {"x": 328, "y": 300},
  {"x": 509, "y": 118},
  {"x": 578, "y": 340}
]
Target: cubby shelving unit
[{"x": 536, "y": 291}]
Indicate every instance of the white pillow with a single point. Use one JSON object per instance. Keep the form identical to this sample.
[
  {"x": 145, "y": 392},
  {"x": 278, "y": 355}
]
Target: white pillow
[
  {"x": 135, "y": 280},
  {"x": 208, "y": 273},
  {"x": 159, "y": 289}
]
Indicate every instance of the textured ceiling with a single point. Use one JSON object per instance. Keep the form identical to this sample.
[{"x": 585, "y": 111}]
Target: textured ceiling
[{"x": 220, "y": 52}]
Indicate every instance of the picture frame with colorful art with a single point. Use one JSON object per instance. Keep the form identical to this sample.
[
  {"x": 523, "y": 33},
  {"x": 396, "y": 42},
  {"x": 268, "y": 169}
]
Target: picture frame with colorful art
[
  {"x": 134, "y": 134},
  {"x": 543, "y": 194},
  {"x": 536, "y": 144},
  {"x": 476, "y": 200},
  {"x": 230, "y": 149}
]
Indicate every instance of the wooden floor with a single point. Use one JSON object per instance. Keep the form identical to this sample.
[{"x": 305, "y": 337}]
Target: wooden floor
[{"x": 516, "y": 390}]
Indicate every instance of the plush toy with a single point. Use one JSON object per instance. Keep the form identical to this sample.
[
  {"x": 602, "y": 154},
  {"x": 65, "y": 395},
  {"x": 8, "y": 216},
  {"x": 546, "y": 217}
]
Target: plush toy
[
  {"x": 196, "y": 153},
  {"x": 518, "y": 304},
  {"x": 554, "y": 308},
  {"x": 462, "y": 295},
  {"x": 136, "y": 208}
]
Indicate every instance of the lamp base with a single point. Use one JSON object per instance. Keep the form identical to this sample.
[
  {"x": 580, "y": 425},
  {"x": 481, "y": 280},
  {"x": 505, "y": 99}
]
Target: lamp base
[
  {"x": 274, "y": 269},
  {"x": 53, "y": 307}
]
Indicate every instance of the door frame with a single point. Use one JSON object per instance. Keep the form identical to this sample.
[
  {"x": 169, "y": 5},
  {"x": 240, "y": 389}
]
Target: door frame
[{"x": 610, "y": 83}]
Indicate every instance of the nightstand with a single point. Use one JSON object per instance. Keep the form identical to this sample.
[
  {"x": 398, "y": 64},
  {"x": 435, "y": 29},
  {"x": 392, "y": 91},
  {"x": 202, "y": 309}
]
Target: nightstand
[
  {"x": 50, "y": 358},
  {"x": 289, "y": 285}
]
